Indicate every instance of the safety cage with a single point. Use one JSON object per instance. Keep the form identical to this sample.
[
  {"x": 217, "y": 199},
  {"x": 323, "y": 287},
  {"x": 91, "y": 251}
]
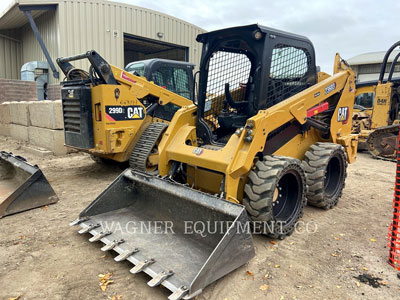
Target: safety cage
[{"x": 245, "y": 69}]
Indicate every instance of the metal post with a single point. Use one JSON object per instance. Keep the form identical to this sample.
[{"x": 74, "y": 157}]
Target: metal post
[{"x": 28, "y": 14}]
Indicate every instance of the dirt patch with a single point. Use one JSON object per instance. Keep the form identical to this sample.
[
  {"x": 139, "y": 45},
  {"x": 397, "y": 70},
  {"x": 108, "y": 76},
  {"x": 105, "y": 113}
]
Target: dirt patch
[{"x": 41, "y": 257}]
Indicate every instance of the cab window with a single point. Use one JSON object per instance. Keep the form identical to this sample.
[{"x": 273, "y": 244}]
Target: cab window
[
  {"x": 288, "y": 74},
  {"x": 181, "y": 82},
  {"x": 365, "y": 100},
  {"x": 138, "y": 68},
  {"x": 173, "y": 79}
]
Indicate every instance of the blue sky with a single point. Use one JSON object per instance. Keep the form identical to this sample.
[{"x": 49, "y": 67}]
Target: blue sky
[{"x": 350, "y": 27}]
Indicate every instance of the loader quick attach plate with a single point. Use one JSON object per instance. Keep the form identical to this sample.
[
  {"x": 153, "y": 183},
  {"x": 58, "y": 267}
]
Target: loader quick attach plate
[
  {"x": 184, "y": 239},
  {"x": 22, "y": 186}
]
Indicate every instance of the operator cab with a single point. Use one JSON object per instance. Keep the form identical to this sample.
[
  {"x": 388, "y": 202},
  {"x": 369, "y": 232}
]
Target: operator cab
[
  {"x": 246, "y": 69},
  {"x": 175, "y": 76}
]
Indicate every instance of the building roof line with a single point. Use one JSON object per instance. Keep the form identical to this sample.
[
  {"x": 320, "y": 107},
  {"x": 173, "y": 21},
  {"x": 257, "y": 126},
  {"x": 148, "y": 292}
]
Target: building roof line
[
  {"x": 14, "y": 5},
  {"x": 371, "y": 58}
]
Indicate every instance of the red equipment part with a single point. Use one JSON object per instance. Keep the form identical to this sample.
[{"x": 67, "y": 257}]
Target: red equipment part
[
  {"x": 317, "y": 109},
  {"x": 394, "y": 230}
]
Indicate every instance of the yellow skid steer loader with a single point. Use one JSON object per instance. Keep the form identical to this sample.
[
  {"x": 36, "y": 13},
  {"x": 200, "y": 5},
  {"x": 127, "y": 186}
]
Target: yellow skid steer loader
[
  {"x": 22, "y": 186},
  {"x": 113, "y": 114},
  {"x": 267, "y": 133}
]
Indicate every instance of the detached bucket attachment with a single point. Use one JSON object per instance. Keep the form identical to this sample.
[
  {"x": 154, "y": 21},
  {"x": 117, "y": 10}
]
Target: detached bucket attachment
[
  {"x": 184, "y": 239},
  {"x": 22, "y": 186}
]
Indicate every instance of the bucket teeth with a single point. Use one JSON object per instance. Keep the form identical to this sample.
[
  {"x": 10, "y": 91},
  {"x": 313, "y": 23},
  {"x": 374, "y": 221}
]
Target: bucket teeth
[
  {"x": 124, "y": 255},
  {"x": 179, "y": 293},
  {"x": 159, "y": 278},
  {"x": 99, "y": 236},
  {"x": 112, "y": 245},
  {"x": 78, "y": 221},
  {"x": 87, "y": 229},
  {"x": 142, "y": 265}
]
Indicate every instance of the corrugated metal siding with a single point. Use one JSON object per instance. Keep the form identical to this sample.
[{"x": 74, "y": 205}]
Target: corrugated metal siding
[
  {"x": 86, "y": 25},
  {"x": 78, "y": 26},
  {"x": 376, "y": 68},
  {"x": 10, "y": 57},
  {"x": 48, "y": 27}
]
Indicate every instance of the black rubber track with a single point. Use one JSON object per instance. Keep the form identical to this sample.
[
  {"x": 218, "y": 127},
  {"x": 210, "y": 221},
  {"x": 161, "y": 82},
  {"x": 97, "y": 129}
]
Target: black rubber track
[
  {"x": 145, "y": 145},
  {"x": 261, "y": 187},
  {"x": 326, "y": 170}
]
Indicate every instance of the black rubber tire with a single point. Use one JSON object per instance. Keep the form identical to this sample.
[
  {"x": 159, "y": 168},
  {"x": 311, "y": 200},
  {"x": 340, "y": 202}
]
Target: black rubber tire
[
  {"x": 260, "y": 196},
  {"x": 326, "y": 170}
]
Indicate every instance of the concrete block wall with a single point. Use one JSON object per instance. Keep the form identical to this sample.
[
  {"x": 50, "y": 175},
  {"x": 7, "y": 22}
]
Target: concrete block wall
[
  {"x": 5, "y": 119},
  {"x": 38, "y": 122},
  {"x": 53, "y": 92},
  {"x": 46, "y": 114},
  {"x": 47, "y": 138},
  {"x": 19, "y": 113},
  {"x": 19, "y": 132},
  {"x": 17, "y": 90}
]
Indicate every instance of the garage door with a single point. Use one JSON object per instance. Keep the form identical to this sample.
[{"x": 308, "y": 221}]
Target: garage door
[{"x": 138, "y": 48}]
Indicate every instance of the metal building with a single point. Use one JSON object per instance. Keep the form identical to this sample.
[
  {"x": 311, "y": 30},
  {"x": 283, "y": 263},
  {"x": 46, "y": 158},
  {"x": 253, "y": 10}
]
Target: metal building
[
  {"x": 368, "y": 65},
  {"x": 121, "y": 33}
]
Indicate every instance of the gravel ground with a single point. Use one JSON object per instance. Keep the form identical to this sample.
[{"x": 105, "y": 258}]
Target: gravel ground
[{"x": 41, "y": 257}]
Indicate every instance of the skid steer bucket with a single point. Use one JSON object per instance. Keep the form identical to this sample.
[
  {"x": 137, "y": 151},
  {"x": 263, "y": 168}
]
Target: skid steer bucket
[
  {"x": 184, "y": 239},
  {"x": 22, "y": 186}
]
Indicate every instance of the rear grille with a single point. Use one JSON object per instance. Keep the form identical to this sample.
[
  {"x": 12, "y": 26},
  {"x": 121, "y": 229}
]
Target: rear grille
[
  {"x": 77, "y": 113},
  {"x": 72, "y": 115}
]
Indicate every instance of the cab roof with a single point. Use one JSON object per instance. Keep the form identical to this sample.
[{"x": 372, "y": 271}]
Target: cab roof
[{"x": 204, "y": 37}]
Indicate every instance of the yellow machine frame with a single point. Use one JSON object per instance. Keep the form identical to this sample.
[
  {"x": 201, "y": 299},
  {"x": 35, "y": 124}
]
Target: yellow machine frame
[
  {"x": 116, "y": 139},
  {"x": 236, "y": 158}
]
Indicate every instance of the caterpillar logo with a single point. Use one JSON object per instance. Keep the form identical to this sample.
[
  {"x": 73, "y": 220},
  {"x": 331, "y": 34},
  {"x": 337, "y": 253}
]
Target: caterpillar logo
[
  {"x": 124, "y": 113},
  {"x": 70, "y": 93},
  {"x": 343, "y": 114},
  {"x": 135, "y": 112}
]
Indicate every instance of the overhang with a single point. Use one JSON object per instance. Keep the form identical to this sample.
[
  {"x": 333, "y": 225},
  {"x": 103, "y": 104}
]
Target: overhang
[{"x": 12, "y": 17}]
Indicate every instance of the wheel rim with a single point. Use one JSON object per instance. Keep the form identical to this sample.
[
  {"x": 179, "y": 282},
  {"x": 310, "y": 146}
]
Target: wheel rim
[
  {"x": 287, "y": 198},
  {"x": 333, "y": 176}
]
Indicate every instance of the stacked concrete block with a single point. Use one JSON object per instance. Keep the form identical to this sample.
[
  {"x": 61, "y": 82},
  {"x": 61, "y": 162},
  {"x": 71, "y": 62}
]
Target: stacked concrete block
[
  {"x": 46, "y": 126},
  {"x": 5, "y": 129},
  {"x": 38, "y": 122},
  {"x": 48, "y": 138},
  {"x": 19, "y": 132},
  {"x": 19, "y": 113},
  {"x": 19, "y": 120},
  {"x": 17, "y": 90},
  {"x": 46, "y": 114},
  {"x": 5, "y": 119},
  {"x": 53, "y": 92}
]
